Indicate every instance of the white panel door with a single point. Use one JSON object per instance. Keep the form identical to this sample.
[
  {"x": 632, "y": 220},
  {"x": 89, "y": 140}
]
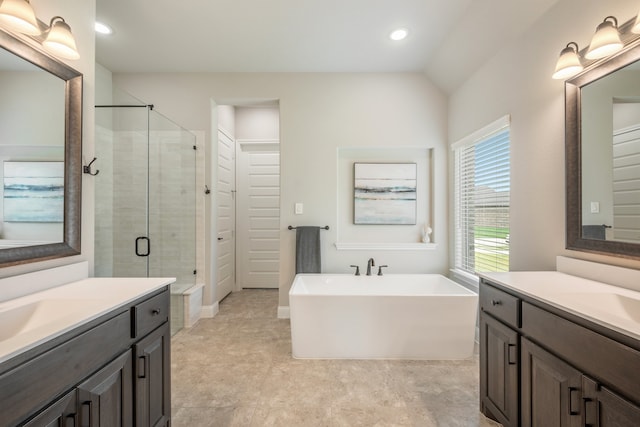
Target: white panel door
[
  {"x": 258, "y": 214},
  {"x": 626, "y": 185},
  {"x": 226, "y": 215}
]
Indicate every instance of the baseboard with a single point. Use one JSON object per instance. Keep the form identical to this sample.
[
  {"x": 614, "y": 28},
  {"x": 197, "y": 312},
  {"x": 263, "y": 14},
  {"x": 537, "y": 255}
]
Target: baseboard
[
  {"x": 209, "y": 311},
  {"x": 284, "y": 312}
]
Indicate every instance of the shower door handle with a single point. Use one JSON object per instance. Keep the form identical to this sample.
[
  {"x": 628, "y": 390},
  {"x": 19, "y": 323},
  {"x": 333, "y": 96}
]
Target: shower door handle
[{"x": 143, "y": 238}]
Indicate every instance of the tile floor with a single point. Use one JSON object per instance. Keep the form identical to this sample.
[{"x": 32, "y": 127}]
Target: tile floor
[{"x": 236, "y": 370}]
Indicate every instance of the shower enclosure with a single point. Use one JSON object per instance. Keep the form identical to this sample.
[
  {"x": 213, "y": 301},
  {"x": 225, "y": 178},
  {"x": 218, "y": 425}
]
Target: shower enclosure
[{"x": 145, "y": 222}]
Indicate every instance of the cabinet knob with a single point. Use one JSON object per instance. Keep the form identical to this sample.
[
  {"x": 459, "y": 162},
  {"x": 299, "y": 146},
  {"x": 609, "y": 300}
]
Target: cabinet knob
[
  {"x": 155, "y": 311},
  {"x": 495, "y": 302}
]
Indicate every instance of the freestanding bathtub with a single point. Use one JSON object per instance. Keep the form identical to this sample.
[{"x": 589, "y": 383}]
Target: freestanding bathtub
[{"x": 396, "y": 316}]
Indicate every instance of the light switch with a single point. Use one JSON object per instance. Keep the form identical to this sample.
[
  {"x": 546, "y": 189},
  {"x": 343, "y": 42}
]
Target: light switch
[
  {"x": 595, "y": 207},
  {"x": 299, "y": 209}
]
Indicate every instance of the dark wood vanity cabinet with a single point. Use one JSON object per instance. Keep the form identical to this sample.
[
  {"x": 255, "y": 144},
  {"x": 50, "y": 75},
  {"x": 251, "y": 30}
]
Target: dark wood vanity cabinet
[
  {"x": 112, "y": 372},
  {"x": 61, "y": 413},
  {"x": 550, "y": 389},
  {"x": 105, "y": 399},
  {"x": 605, "y": 408},
  {"x": 152, "y": 379},
  {"x": 568, "y": 371},
  {"x": 499, "y": 356},
  {"x": 500, "y": 371}
]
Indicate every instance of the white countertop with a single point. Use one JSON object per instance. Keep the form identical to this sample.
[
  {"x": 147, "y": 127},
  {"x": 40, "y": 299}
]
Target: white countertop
[
  {"x": 54, "y": 311},
  {"x": 610, "y": 306}
]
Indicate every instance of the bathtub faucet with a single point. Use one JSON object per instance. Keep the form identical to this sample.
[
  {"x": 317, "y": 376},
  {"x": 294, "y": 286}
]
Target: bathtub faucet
[{"x": 370, "y": 263}]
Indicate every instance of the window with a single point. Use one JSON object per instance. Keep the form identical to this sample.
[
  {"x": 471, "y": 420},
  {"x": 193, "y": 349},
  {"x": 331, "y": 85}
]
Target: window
[{"x": 481, "y": 191}]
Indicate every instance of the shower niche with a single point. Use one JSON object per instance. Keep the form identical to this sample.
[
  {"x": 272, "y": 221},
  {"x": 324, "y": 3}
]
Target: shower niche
[{"x": 145, "y": 198}]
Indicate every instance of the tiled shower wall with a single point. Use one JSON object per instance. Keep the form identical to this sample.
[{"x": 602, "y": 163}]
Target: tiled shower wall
[{"x": 104, "y": 204}]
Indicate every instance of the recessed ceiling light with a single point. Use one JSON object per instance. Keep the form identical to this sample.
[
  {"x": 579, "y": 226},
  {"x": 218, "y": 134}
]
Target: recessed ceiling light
[
  {"x": 399, "y": 34},
  {"x": 103, "y": 28}
]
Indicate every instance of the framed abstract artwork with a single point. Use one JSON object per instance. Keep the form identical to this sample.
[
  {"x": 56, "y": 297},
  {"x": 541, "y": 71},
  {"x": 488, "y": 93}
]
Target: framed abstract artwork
[
  {"x": 385, "y": 193},
  {"x": 33, "y": 192}
]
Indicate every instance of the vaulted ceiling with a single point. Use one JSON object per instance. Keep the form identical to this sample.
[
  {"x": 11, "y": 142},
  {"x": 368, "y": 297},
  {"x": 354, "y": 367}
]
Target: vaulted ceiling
[{"x": 448, "y": 39}]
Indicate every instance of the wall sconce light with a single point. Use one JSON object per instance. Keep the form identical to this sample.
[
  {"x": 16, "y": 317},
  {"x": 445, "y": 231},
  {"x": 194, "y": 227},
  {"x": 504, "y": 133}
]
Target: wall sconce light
[
  {"x": 19, "y": 16},
  {"x": 568, "y": 64},
  {"x": 606, "y": 40},
  {"x": 59, "y": 39}
]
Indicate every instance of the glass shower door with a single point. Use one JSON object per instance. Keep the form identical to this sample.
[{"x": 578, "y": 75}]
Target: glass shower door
[
  {"x": 145, "y": 223},
  {"x": 172, "y": 202}
]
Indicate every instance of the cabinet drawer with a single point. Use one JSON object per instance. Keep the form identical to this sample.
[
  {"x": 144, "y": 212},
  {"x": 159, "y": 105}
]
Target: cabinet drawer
[
  {"x": 150, "y": 314},
  {"x": 500, "y": 305}
]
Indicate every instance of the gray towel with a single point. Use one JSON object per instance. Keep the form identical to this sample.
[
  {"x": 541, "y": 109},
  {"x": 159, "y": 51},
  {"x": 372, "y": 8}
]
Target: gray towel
[
  {"x": 593, "y": 232},
  {"x": 308, "y": 250}
]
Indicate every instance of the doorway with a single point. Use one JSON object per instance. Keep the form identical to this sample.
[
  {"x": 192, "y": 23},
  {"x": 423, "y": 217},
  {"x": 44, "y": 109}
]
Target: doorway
[
  {"x": 248, "y": 202},
  {"x": 258, "y": 214}
]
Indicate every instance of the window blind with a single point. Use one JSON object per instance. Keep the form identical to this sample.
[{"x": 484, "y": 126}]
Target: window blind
[{"x": 481, "y": 193}]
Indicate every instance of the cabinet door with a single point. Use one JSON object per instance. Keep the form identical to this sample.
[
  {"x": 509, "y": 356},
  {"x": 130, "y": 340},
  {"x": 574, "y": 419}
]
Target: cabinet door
[
  {"x": 604, "y": 408},
  {"x": 499, "y": 368},
  {"x": 153, "y": 387},
  {"x": 106, "y": 398},
  {"x": 62, "y": 413},
  {"x": 551, "y": 389}
]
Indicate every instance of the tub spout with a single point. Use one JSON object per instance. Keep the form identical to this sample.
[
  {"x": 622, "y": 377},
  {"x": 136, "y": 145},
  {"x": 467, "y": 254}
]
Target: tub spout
[{"x": 370, "y": 263}]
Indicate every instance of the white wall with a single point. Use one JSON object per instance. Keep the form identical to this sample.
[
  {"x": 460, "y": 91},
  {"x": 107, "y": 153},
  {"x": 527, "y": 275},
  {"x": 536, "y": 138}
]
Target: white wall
[
  {"x": 226, "y": 115},
  {"x": 80, "y": 15},
  {"x": 258, "y": 123},
  {"x": 104, "y": 86},
  {"x": 517, "y": 81},
  {"x": 320, "y": 113},
  {"x": 28, "y": 97}
]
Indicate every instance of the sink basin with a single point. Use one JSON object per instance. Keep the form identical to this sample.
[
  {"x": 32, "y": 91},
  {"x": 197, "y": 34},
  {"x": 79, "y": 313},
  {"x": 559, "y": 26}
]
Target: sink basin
[
  {"x": 612, "y": 304},
  {"x": 25, "y": 318}
]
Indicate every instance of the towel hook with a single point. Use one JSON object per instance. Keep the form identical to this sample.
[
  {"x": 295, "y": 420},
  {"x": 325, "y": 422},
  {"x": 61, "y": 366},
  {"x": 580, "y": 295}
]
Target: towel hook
[{"x": 87, "y": 168}]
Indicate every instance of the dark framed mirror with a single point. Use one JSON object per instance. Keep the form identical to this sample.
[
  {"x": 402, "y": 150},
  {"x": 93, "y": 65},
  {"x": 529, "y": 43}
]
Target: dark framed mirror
[
  {"x": 41, "y": 153},
  {"x": 602, "y": 149}
]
